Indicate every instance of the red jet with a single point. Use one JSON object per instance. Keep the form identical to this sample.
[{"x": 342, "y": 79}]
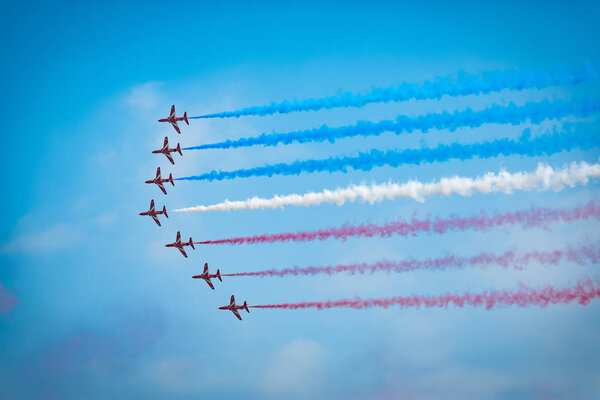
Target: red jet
[
  {"x": 234, "y": 308},
  {"x": 180, "y": 245},
  {"x": 153, "y": 213},
  {"x": 173, "y": 119},
  {"x": 159, "y": 181},
  {"x": 206, "y": 276},
  {"x": 167, "y": 151}
]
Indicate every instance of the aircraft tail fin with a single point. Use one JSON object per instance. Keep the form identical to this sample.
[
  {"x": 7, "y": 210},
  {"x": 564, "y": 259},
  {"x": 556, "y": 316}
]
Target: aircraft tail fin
[
  {"x": 219, "y": 275},
  {"x": 179, "y": 149},
  {"x": 165, "y": 211},
  {"x": 185, "y": 118},
  {"x": 245, "y": 306},
  {"x": 171, "y": 179}
]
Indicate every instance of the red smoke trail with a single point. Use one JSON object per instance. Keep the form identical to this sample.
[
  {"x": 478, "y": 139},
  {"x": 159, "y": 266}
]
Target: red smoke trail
[
  {"x": 583, "y": 293},
  {"x": 534, "y": 217},
  {"x": 7, "y": 301},
  {"x": 588, "y": 253}
]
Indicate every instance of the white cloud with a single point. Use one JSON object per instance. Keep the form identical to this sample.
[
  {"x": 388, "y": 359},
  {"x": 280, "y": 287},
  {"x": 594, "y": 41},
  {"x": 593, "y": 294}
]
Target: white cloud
[
  {"x": 172, "y": 375},
  {"x": 53, "y": 238},
  {"x": 454, "y": 382},
  {"x": 145, "y": 96},
  {"x": 107, "y": 219},
  {"x": 295, "y": 370}
]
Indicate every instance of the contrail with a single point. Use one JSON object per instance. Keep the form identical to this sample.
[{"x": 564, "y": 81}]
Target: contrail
[
  {"x": 542, "y": 179},
  {"x": 461, "y": 85},
  {"x": 509, "y": 259},
  {"x": 528, "y": 218},
  {"x": 583, "y": 292},
  {"x": 542, "y": 145},
  {"x": 511, "y": 114}
]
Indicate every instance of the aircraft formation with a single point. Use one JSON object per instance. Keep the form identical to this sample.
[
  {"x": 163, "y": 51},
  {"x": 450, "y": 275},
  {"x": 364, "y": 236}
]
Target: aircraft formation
[
  {"x": 154, "y": 213},
  {"x": 546, "y": 177}
]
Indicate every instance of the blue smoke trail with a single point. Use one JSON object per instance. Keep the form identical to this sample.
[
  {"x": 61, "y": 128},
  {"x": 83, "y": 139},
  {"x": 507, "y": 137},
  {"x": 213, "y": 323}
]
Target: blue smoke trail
[
  {"x": 461, "y": 85},
  {"x": 543, "y": 145},
  {"x": 511, "y": 114}
]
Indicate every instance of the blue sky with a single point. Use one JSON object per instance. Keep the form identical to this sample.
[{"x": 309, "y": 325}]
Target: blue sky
[{"x": 105, "y": 311}]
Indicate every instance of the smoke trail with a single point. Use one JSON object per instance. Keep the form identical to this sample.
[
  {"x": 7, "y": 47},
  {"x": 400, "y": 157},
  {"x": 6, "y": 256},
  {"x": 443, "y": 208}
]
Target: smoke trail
[
  {"x": 7, "y": 301},
  {"x": 461, "y": 85},
  {"x": 531, "y": 218},
  {"x": 581, "y": 255},
  {"x": 543, "y": 178},
  {"x": 543, "y": 145},
  {"x": 584, "y": 292},
  {"x": 511, "y": 114}
]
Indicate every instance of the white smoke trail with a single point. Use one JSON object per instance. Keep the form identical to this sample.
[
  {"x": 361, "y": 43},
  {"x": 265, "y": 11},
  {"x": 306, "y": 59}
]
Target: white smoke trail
[{"x": 543, "y": 178}]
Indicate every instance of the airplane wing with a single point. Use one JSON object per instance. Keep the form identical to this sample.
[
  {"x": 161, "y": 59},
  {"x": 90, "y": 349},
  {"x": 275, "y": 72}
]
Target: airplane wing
[
  {"x": 158, "y": 173},
  {"x": 172, "y": 111},
  {"x": 206, "y": 268},
  {"x": 160, "y": 185},
  {"x": 152, "y": 205},
  {"x": 237, "y": 314},
  {"x": 182, "y": 251},
  {"x": 232, "y": 302},
  {"x": 178, "y": 237},
  {"x": 174, "y": 123},
  {"x": 170, "y": 158},
  {"x": 166, "y": 143},
  {"x": 209, "y": 283},
  {"x": 155, "y": 218}
]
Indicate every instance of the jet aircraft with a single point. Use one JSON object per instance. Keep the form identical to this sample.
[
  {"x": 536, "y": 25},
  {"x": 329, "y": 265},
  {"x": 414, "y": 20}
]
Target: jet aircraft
[
  {"x": 167, "y": 151},
  {"x": 234, "y": 308},
  {"x": 206, "y": 276},
  {"x": 173, "y": 119},
  {"x": 159, "y": 181},
  {"x": 180, "y": 245},
  {"x": 153, "y": 213}
]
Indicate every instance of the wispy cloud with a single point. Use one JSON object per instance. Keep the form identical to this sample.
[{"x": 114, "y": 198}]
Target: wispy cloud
[
  {"x": 91, "y": 356},
  {"x": 56, "y": 237},
  {"x": 145, "y": 96},
  {"x": 295, "y": 369}
]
